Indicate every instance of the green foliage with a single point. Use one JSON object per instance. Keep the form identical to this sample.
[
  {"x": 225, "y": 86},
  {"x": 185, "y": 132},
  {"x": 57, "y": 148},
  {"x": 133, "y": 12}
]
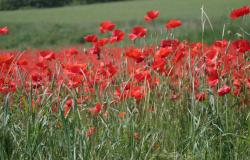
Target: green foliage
[{"x": 16, "y": 4}]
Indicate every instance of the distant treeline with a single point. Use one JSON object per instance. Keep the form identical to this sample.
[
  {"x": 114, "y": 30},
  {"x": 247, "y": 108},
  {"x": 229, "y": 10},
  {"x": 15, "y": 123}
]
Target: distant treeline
[{"x": 17, "y": 4}]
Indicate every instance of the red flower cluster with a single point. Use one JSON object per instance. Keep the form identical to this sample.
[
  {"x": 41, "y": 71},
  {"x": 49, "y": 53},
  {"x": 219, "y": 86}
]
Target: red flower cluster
[{"x": 123, "y": 73}]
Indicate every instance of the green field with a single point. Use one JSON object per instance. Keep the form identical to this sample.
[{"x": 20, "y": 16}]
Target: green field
[{"x": 67, "y": 25}]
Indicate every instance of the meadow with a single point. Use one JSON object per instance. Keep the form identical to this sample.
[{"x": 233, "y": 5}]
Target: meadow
[{"x": 138, "y": 80}]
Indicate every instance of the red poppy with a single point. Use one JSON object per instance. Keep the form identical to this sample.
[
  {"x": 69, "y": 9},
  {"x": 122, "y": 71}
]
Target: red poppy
[
  {"x": 151, "y": 15},
  {"x": 221, "y": 43},
  {"x": 136, "y": 54},
  {"x": 117, "y": 36},
  {"x": 47, "y": 55},
  {"x": 67, "y": 107},
  {"x": 159, "y": 64},
  {"x": 163, "y": 52},
  {"x": 36, "y": 76},
  {"x": 22, "y": 62},
  {"x": 95, "y": 110},
  {"x": 236, "y": 13},
  {"x": 95, "y": 50},
  {"x": 91, "y": 38},
  {"x": 72, "y": 51},
  {"x": 6, "y": 58},
  {"x": 200, "y": 96},
  {"x": 170, "y": 43},
  {"x": 241, "y": 45},
  {"x": 173, "y": 23},
  {"x": 75, "y": 68},
  {"x": 106, "y": 26},
  {"x": 137, "y": 93},
  {"x": 137, "y": 32},
  {"x": 224, "y": 90},
  {"x": 102, "y": 42},
  {"x": 4, "y": 30}
]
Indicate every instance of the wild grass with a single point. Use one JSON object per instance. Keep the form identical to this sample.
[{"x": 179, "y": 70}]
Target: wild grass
[{"x": 168, "y": 123}]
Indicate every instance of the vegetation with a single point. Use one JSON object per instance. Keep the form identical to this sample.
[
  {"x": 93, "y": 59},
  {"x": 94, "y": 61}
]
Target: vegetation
[
  {"x": 17, "y": 4},
  {"x": 135, "y": 92}
]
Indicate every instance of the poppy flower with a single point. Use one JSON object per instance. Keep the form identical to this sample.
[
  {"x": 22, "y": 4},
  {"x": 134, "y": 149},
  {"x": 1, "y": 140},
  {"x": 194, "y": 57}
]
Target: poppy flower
[
  {"x": 6, "y": 58},
  {"x": 241, "y": 45},
  {"x": 213, "y": 79},
  {"x": 91, "y": 38},
  {"x": 95, "y": 50},
  {"x": 95, "y": 110},
  {"x": 101, "y": 42},
  {"x": 163, "y": 52},
  {"x": 224, "y": 90},
  {"x": 170, "y": 43},
  {"x": 221, "y": 43},
  {"x": 137, "y": 32},
  {"x": 22, "y": 62},
  {"x": 159, "y": 64},
  {"x": 136, "y": 54},
  {"x": 137, "y": 93},
  {"x": 72, "y": 51},
  {"x": 47, "y": 55},
  {"x": 106, "y": 26},
  {"x": 117, "y": 36},
  {"x": 36, "y": 76},
  {"x": 67, "y": 107},
  {"x": 4, "y": 30},
  {"x": 173, "y": 23},
  {"x": 151, "y": 15},
  {"x": 236, "y": 13},
  {"x": 75, "y": 68},
  {"x": 200, "y": 96}
]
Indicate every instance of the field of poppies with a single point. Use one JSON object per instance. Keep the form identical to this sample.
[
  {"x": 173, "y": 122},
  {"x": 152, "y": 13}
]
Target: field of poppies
[{"x": 148, "y": 98}]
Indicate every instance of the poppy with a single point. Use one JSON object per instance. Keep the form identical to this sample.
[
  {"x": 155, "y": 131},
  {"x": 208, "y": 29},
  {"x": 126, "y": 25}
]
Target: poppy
[
  {"x": 200, "y": 96},
  {"x": 151, "y": 15},
  {"x": 137, "y": 93},
  {"x": 91, "y": 38},
  {"x": 106, "y": 26},
  {"x": 67, "y": 107},
  {"x": 95, "y": 110},
  {"x": 47, "y": 55},
  {"x": 236, "y": 13},
  {"x": 102, "y": 42},
  {"x": 117, "y": 36},
  {"x": 137, "y": 32},
  {"x": 72, "y": 51},
  {"x": 6, "y": 58},
  {"x": 241, "y": 45},
  {"x": 173, "y": 23},
  {"x": 224, "y": 90},
  {"x": 4, "y": 30},
  {"x": 136, "y": 54}
]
